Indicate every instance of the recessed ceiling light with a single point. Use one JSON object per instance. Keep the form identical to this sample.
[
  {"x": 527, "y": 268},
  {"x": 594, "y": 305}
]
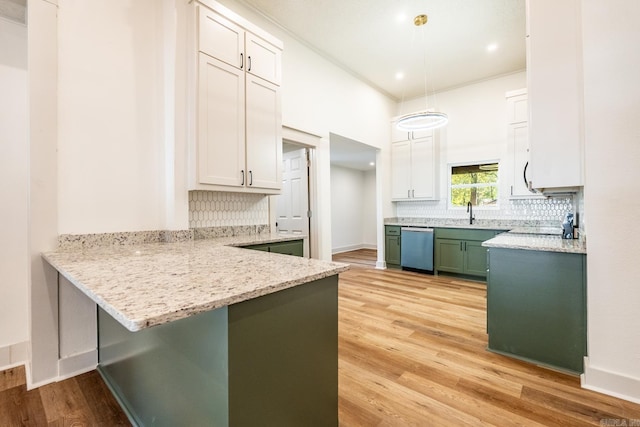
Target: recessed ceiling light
[
  {"x": 399, "y": 75},
  {"x": 492, "y": 47},
  {"x": 372, "y": 164}
]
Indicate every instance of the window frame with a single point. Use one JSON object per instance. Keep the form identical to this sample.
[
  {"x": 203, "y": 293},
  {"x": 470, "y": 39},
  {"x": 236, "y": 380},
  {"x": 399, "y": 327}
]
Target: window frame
[{"x": 450, "y": 167}]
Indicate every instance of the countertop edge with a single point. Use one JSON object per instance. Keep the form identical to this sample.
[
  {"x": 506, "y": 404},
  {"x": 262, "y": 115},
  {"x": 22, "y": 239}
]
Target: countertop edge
[{"x": 137, "y": 324}]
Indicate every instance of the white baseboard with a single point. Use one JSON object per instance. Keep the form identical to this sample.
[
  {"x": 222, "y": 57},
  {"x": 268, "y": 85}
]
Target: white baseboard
[
  {"x": 381, "y": 265},
  {"x": 610, "y": 383},
  {"x": 352, "y": 248},
  {"x": 14, "y": 355},
  {"x": 77, "y": 364}
]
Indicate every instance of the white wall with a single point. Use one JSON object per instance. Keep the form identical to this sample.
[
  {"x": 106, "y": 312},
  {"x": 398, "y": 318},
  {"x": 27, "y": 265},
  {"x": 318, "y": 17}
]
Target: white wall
[
  {"x": 110, "y": 150},
  {"x": 612, "y": 152},
  {"x": 353, "y": 209},
  {"x": 14, "y": 176},
  {"x": 477, "y": 129}
]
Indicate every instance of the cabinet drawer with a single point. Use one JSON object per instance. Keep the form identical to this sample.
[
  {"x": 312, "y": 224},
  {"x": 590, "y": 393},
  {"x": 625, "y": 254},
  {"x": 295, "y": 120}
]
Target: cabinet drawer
[
  {"x": 465, "y": 234},
  {"x": 391, "y": 230}
]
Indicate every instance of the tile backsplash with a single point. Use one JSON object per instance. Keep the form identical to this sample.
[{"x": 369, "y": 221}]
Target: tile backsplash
[
  {"x": 545, "y": 210},
  {"x": 220, "y": 209}
]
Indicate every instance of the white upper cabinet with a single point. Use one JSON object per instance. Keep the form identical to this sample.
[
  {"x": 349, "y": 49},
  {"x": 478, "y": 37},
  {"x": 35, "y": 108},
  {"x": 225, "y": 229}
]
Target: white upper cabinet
[
  {"x": 229, "y": 42},
  {"x": 555, "y": 92},
  {"x": 518, "y": 143},
  {"x": 220, "y": 163},
  {"x": 263, "y": 59},
  {"x": 239, "y": 117},
  {"x": 414, "y": 167}
]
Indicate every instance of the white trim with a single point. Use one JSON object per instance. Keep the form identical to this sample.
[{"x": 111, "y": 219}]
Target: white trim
[
  {"x": 311, "y": 142},
  {"x": 300, "y": 137},
  {"x": 350, "y": 248},
  {"x": 610, "y": 383},
  {"x": 77, "y": 364}
]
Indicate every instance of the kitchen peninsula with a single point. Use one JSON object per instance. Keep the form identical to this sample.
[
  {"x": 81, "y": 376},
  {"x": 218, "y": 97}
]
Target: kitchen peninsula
[{"x": 199, "y": 332}]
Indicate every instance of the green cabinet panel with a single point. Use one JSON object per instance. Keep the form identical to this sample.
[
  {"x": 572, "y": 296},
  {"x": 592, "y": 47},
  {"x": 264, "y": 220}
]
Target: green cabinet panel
[
  {"x": 475, "y": 258},
  {"x": 449, "y": 256},
  {"x": 294, "y": 248},
  {"x": 465, "y": 234},
  {"x": 460, "y": 250},
  {"x": 392, "y": 246},
  {"x": 291, "y": 247},
  {"x": 264, "y": 247},
  {"x": 536, "y": 307}
]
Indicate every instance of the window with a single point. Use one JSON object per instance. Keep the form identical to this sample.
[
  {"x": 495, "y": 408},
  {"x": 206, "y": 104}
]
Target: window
[{"x": 477, "y": 184}]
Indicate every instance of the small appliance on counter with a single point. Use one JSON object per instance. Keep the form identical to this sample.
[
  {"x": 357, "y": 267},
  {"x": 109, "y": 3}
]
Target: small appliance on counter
[{"x": 567, "y": 226}]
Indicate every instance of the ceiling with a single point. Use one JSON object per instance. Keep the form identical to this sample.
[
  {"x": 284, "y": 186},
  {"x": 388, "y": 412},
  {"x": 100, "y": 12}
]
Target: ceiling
[
  {"x": 351, "y": 154},
  {"x": 375, "y": 39}
]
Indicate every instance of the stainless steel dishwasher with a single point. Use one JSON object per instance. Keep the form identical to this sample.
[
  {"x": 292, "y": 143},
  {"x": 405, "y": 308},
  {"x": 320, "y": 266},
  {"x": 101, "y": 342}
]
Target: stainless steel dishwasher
[{"x": 416, "y": 248}]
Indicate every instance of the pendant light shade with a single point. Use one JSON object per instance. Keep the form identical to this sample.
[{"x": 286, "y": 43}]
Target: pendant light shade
[
  {"x": 425, "y": 119},
  {"x": 421, "y": 120}
]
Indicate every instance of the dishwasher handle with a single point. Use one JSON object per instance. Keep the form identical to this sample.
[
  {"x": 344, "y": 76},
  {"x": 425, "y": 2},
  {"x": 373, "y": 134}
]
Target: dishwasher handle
[{"x": 417, "y": 229}]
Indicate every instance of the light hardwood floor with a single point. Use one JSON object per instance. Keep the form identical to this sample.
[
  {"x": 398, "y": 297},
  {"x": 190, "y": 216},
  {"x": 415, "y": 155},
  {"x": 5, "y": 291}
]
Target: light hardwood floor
[{"x": 412, "y": 352}]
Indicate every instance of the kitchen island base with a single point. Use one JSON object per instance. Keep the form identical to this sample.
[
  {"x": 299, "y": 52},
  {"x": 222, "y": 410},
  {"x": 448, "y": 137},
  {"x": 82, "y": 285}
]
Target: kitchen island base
[{"x": 271, "y": 360}]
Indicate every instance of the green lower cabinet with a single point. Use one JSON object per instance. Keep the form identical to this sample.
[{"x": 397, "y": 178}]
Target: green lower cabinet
[
  {"x": 536, "y": 307},
  {"x": 475, "y": 258},
  {"x": 291, "y": 247},
  {"x": 449, "y": 256},
  {"x": 392, "y": 246},
  {"x": 460, "y": 251}
]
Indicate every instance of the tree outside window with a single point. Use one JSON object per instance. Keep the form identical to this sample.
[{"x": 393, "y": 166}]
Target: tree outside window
[{"x": 477, "y": 184}]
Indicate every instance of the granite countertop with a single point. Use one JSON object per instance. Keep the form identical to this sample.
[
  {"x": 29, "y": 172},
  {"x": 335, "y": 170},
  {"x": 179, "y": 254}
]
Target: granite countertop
[
  {"x": 150, "y": 284},
  {"x": 537, "y": 242}
]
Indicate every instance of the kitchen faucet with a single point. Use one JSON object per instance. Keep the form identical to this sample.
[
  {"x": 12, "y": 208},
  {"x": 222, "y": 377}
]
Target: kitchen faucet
[{"x": 470, "y": 210}]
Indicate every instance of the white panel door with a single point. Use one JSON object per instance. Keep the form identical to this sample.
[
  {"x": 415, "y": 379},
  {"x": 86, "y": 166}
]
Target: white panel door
[
  {"x": 221, "y": 116},
  {"x": 422, "y": 168},
  {"x": 264, "y": 134},
  {"x": 293, "y": 202},
  {"x": 401, "y": 170}
]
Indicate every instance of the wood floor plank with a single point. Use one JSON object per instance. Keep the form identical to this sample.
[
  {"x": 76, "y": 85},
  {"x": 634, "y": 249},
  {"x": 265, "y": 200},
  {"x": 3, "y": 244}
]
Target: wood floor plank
[
  {"x": 18, "y": 407},
  {"x": 65, "y": 403},
  {"x": 100, "y": 401},
  {"x": 12, "y": 377}
]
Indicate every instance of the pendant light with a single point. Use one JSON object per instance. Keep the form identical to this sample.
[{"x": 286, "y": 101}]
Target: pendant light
[{"x": 427, "y": 118}]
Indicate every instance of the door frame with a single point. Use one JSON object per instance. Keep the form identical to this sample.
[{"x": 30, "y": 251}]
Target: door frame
[{"x": 311, "y": 142}]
